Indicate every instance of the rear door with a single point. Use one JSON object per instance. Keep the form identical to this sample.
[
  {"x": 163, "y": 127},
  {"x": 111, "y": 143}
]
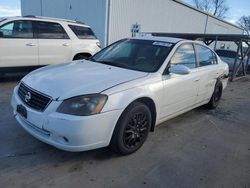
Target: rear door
[
  {"x": 208, "y": 67},
  {"x": 54, "y": 43},
  {"x": 180, "y": 91},
  {"x": 18, "y": 46}
]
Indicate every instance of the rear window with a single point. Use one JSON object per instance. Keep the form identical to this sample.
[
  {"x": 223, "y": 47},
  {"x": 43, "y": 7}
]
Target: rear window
[
  {"x": 206, "y": 56},
  {"x": 50, "y": 30},
  {"x": 82, "y": 32}
]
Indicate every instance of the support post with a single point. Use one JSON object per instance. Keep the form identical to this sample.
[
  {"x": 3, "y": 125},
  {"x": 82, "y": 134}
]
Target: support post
[
  {"x": 235, "y": 60},
  {"x": 215, "y": 45}
]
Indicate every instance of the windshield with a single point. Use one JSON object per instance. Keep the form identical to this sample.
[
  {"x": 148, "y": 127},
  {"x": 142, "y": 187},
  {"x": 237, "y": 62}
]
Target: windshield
[{"x": 135, "y": 54}]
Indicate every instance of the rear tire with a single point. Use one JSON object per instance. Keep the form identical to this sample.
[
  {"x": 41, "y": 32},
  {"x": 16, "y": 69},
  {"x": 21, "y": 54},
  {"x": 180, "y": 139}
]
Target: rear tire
[
  {"x": 132, "y": 129},
  {"x": 215, "y": 99}
]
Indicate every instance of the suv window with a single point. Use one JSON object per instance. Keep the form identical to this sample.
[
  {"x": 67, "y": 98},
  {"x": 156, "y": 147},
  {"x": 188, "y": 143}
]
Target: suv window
[
  {"x": 226, "y": 53},
  {"x": 82, "y": 32},
  {"x": 206, "y": 56},
  {"x": 184, "y": 55},
  {"x": 50, "y": 30},
  {"x": 17, "y": 29}
]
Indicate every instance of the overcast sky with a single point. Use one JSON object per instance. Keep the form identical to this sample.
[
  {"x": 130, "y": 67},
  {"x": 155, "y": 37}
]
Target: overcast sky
[{"x": 237, "y": 8}]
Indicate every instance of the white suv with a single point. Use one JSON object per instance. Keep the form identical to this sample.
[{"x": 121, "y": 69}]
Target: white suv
[{"x": 37, "y": 41}]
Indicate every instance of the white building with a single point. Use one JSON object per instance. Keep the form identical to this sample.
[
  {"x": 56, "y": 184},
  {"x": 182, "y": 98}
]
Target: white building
[{"x": 112, "y": 20}]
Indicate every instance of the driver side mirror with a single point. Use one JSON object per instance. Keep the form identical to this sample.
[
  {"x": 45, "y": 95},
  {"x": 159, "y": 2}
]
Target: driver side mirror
[{"x": 179, "y": 69}]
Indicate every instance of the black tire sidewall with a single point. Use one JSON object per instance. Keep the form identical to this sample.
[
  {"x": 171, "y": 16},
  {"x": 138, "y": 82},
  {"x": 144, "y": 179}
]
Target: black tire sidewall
[
  {"x": 212, "y": 103},
  {"x": 80, "y": 57},
  {"x": 122, "y": 123}
]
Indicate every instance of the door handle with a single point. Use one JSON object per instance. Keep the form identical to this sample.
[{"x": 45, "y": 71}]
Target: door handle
[
  {"x": 197, "y": 79},
  {"x": 30, "y": 44},
  {"x": 65, "y": 44}
]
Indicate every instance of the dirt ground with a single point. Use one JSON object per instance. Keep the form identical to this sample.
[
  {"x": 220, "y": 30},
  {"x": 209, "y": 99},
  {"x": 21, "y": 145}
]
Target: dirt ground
[{"x": 201, "y": 148}]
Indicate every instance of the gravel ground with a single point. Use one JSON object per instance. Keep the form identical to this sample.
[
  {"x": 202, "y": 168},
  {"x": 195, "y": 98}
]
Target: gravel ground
[{"x": 201, "y": 148}]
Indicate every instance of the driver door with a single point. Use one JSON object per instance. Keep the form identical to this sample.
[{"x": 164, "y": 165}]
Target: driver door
[
  {"x": 18, "y": 46},
  {"x": 180, "y": 91}
]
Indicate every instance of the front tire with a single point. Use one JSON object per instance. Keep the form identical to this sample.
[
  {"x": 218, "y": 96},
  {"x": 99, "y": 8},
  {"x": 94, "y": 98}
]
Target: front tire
[
  {"x": 81, "y": 57},
  {"x": 215, "y": 99},
  {"x": 132, "y": 129}
]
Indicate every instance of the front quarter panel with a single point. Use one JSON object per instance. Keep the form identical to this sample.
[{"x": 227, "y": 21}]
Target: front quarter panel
[{"x": 121, "y": 99}]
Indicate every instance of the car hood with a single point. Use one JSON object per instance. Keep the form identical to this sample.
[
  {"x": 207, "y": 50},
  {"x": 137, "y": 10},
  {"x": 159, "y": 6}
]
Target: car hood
[{"x": 78, "y": 78}]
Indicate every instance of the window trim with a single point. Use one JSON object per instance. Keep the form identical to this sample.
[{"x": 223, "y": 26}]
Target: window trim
[
  {"x": 36, "y": 23},
  {"x": 12, "y": 21},
  {"x": 166, "y": 70}
]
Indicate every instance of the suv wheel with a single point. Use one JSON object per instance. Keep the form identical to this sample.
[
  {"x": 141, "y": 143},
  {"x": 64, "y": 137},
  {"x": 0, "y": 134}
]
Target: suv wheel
[
  {"x": 132, "y": 129},
  {"x": 81, "y": 56}
]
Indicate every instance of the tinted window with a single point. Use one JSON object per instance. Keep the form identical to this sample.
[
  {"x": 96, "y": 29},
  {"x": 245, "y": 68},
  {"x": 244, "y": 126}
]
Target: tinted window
[
  {"x": 82, "y": 32},
  {"x": 50, "y": 30},
  {"x": 17, "y": 29},
  {"x": 226, "y": 53},
  {"x": 141, "y": 55},
  {"x": 206, "y": 56},
  {"x": 184, "y": 55}
]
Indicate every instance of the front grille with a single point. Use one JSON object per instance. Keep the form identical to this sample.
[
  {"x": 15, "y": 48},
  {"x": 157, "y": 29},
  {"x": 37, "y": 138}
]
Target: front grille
[{"x": 33, "y": 98}]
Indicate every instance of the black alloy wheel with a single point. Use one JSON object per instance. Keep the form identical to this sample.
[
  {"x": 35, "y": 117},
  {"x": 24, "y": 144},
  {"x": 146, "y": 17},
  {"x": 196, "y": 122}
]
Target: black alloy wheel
[
  {"x": 135, "y": 130},
  {"x": 132, "y": 129}
]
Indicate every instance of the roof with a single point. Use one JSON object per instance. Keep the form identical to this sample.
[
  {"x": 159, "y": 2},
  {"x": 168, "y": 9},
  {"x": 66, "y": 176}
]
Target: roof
[
  {"x": 155, "y": 38},
  {"x": 48, "y": 18},
  {"x": 206, "y": 13}
]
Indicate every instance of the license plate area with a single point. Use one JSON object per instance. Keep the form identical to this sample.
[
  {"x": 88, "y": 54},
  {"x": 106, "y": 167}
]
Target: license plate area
[{"x": 22, "y": 111}]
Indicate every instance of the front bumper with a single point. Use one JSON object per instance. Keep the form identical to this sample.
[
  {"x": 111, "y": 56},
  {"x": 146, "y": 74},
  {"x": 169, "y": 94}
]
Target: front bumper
[{"x": 67, "y": 132}]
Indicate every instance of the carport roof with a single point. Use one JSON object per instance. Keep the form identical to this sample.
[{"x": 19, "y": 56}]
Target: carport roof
[{"x": 205, "y": 37}]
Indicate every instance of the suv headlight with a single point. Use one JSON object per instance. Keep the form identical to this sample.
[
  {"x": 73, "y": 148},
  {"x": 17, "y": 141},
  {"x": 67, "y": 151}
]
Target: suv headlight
[{"x": 84, "y": 105}]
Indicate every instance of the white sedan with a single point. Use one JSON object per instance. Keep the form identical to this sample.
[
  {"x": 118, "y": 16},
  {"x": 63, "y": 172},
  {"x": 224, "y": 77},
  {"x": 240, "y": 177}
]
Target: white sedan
[{"x": 119, "y": 95}]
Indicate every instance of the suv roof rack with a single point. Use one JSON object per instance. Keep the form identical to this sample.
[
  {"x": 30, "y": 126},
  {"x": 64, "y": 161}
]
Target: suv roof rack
[
  {"x": 29, "y": 16},
  {"x": 58, "y": 19},
  {"x": 79, "y": 22}
]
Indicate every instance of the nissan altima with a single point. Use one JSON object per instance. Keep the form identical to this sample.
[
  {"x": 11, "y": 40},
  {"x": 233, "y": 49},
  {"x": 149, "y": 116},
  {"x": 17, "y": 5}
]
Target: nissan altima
[{"x": 120, "y": 94}]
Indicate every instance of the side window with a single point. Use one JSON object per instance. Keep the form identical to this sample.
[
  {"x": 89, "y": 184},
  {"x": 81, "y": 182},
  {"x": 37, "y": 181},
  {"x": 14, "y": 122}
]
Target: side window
[
  {"x": 50, "y": 30},
  {"x": 82, "y": 32},
  {"x": 184, "y": 55},
  {"x": 206, "y": 56},
  {"x": 17, "y": 29}
]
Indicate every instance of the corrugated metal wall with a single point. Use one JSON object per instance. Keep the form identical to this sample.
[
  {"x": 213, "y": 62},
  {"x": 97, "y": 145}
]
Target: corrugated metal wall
[
  {"x": 92, "y": 12},
  {"x": 161, "y": 16}
]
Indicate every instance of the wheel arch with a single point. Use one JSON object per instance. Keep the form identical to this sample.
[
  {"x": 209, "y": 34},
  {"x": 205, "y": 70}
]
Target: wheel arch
[
  {"x": 87, "y": 54},
  {"x": 150, "y": 104}
]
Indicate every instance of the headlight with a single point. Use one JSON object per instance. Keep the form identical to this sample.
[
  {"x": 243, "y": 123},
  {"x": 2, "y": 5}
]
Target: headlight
[{"x": 83, "y": 105}]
